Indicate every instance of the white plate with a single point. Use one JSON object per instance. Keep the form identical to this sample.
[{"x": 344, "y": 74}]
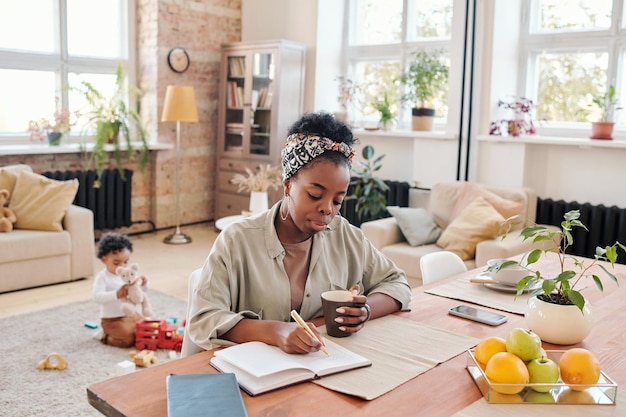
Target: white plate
[{"x": 499, "y": 287}]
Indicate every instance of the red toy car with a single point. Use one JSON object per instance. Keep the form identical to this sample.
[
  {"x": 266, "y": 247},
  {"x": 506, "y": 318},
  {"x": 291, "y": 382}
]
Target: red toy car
[{"x": 157, "y": 334}]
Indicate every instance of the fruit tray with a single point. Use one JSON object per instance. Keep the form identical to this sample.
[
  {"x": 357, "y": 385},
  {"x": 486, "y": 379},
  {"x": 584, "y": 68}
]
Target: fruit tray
[{"x": 603, "y": 392}]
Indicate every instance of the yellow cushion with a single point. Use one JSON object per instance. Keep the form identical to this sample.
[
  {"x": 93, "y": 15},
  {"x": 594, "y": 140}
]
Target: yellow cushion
[
  {"x": 39, "y": 203},
  {"x": 8, "y": 177},
  {"x": 470, "y": 191},
  {"x": 478, "y": 221}
]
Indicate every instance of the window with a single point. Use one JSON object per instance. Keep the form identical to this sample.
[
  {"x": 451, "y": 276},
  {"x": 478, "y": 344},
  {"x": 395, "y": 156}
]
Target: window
[
  {"x": 48, "y": 45},
  {"x": 382, "y": 34},
  {"x": 573, "y": 53}
]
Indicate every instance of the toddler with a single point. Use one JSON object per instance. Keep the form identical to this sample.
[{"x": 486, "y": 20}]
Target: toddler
[{"x": 109, "y": 290}]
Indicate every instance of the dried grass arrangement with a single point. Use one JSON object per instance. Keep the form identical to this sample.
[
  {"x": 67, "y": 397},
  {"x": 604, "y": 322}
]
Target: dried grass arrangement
[{"x": 265, "y": 177}]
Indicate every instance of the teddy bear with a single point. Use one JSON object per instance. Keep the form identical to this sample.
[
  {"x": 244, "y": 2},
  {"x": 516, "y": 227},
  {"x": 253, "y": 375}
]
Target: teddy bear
[
  {"x": 7, "y": 217},
  {"x": 135, "y": 295}
]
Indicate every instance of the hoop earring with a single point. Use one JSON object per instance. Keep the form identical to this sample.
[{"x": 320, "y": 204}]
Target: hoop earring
[{"x": 286, "y": 201}]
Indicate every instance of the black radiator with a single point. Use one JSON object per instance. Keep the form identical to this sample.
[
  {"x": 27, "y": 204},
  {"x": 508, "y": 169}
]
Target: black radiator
[
  {"x": 110, "y": 202},
  {"x": 606, "y": 224},
  {"x": 397, "y": 195}
]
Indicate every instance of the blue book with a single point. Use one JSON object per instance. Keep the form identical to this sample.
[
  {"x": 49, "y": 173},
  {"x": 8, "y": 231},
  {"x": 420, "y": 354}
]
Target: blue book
[{"x": 204, "y": 395}]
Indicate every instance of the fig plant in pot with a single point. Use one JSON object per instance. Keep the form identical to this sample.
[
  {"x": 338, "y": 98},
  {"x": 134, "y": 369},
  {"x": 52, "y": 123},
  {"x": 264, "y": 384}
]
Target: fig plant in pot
[
  {"x": 606, "y": 103},
  {"x": 425, "y": 79},
  {"x": 557, "y": 311}
]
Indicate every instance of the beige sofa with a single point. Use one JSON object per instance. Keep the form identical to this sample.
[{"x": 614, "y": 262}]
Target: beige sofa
[
  {"x": 441, "y": 203},
  {"x": 31, "y": 258}
]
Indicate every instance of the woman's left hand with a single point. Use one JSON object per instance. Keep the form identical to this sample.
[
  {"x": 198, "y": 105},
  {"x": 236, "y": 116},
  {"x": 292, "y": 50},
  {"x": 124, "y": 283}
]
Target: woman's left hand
[{"x": 354, "y": 317}]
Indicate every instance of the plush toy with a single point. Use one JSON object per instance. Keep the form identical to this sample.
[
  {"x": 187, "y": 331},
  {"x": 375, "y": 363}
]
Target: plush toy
[
  {"x": 7, "y": 217},
  {"x": 135, "y": 293}
]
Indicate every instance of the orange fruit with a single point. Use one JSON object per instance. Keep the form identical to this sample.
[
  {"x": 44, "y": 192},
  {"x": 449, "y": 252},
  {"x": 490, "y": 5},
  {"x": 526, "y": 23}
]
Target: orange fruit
[
  {"x": 579, "y": 366},
  {"x": 488, "y": 347},
  {"x": 507, "y": 368}
]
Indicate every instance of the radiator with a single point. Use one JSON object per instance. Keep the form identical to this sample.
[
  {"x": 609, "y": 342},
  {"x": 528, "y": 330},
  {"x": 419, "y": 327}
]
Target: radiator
[
  {"x": 606, "y": 225},
  {"x": 397, "y": 195},
  {"x": 110, "y": 202}
]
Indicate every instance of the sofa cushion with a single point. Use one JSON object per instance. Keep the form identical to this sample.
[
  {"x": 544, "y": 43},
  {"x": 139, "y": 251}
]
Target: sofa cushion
[
  {"x": 478, "y": 221},
  {"x": 27, "y": 245},
  {"x": 8, "y": 177},
  {"x": 417, "y": 225},
  {"x": 471, "y": 191},
  {"x": 39, "y": 203}
]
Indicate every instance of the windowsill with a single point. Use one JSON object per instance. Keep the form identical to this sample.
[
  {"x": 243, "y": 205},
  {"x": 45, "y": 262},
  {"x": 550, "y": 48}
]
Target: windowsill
[
  {"x": 409, "y": 134},
  {"x": 43, "y": 149},
  {"x": 555, "y": 140}
]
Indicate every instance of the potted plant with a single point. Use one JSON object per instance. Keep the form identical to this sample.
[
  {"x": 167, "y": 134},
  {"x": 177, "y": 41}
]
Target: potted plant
[
  {"x": 426, "y": 77},
  {"x": 348, "y": 90},
  {"x": 603, "y": 128},
  {"x": 266, "y": 177},
  {"x": 522, "y": 121},
  {"x": 557, "y": 311},
  {"x": 54, "y": 129},
  {"x": 369, "y": 191},
  {"x": 110, "y": 116},
  {"x": 387, "y": 116}
]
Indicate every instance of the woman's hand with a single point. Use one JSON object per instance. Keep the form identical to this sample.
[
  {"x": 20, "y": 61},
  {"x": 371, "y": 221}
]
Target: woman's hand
[
  {"x": 294, "y": 339},
  {"x": 354, "y": 317}
]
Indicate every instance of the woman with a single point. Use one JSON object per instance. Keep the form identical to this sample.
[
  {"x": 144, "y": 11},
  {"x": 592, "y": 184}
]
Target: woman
[{"x": 262, "y": 267}]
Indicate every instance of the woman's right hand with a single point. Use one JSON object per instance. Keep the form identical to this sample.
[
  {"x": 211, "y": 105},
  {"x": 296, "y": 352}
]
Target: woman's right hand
[{"x": 294, "y": 339}]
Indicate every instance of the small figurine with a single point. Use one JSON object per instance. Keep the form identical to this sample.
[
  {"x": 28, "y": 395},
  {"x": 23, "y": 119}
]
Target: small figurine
[{"x": 143, "y": 358}]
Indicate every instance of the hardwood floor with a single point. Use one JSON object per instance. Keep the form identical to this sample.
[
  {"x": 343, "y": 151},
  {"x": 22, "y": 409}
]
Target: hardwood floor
[{"x": 167, "y": 267}]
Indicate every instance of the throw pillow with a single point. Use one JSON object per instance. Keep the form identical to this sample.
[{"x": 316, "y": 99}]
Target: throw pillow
[
  {"x": 8, "y": 177},
  {"x": 478, "y": 221},
  {"x": 416, "y": 224},
  {"x": 470, "y": 191},
  {"x": 39, "y": 203}
]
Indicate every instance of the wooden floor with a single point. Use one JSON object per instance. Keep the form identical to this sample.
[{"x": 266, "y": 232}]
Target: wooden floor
[{"x": 166, "y": 266}]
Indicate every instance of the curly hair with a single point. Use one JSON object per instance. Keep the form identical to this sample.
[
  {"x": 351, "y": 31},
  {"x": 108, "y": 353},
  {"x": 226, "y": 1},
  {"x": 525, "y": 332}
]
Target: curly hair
[
  {"x": 113, "y": 242},
  {"x": 326, "y": 125}
]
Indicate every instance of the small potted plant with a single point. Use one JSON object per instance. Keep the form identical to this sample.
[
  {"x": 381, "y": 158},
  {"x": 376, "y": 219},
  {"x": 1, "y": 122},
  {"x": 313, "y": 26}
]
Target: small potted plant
[
  {"x": 348, "y": 90},
  {"x": 606, "y": 103},
  {"x": 110, "y": 116},
  {"x": 387, "y": 115},
  {"x": 426, "y": 77},
  {"x": 556, "y": 310},
  {"x": 61, "y": 123},
  {"x": 258, "y": 183},
  {"x": 522, "y": 121},
  {"x": 369, "y": 191}
]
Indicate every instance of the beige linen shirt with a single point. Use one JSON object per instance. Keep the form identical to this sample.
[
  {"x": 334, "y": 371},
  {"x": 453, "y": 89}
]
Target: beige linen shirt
[{"x": 244, "y": 275}]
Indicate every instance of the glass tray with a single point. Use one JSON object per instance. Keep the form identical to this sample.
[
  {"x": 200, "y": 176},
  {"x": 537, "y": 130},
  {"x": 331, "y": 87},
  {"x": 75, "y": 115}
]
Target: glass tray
[{"x": 603, "y": 392}]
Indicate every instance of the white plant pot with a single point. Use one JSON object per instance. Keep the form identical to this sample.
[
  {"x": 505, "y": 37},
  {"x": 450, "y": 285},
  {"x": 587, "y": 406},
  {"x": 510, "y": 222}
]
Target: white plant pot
[
  {"x": 558, "y": 324},
  {"x": 258, "y": 201}
]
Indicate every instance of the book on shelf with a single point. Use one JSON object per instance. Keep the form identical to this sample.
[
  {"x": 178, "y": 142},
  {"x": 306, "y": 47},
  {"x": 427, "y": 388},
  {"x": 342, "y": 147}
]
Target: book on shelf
[
  {"x": 260, "y": 367},
  {"x": 204, "y": 395}
]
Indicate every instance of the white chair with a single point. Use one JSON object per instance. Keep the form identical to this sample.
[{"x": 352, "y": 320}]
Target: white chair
[
  {"x": 189, "y": 347},
  {"x": 439, "y": 265}
]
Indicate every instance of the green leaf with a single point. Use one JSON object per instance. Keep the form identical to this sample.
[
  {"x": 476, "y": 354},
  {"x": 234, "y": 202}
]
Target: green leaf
[{"x": 577, "y": 299}]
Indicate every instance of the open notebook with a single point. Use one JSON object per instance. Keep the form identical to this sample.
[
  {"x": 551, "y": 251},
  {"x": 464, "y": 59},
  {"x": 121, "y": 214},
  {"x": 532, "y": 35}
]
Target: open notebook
[{"x": 260, "y": 367}]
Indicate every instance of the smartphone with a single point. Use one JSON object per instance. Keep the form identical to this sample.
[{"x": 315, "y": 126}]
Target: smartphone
[{"x": 481, "y": 316}]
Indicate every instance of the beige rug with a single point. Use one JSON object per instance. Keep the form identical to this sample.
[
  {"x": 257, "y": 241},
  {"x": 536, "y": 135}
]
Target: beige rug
[{"x": 29, "y": 338}]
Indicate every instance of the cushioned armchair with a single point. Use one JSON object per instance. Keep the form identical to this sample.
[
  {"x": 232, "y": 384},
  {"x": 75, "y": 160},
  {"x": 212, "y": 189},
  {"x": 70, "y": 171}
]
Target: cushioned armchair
[{"x": 461, "y": 217}]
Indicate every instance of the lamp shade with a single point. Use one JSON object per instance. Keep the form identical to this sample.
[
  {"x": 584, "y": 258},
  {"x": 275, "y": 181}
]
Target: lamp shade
[{"x": 180, "y": 104}]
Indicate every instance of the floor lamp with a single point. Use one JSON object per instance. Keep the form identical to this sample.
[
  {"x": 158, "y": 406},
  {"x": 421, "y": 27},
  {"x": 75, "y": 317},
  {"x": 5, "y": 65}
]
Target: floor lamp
[{"x": 179, "y": 106}]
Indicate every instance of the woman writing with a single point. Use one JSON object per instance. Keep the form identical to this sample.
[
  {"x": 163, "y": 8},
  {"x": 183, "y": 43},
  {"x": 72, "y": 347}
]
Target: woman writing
[{"x": 261, "y": 268}]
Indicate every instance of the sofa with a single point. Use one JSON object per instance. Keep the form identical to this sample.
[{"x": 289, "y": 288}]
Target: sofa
[
  {"x": 52, "y": 240},
  {"x": 466, "y": 218}
]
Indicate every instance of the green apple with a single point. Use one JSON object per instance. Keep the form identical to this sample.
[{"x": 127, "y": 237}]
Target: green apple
[
  {"x": 542, "y": 371},
  {"x": 538, "y": 397},
  {"x": 523, "y": 343}
]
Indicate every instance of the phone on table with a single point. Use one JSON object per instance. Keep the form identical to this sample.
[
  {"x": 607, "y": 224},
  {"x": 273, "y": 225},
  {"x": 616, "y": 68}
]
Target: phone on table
[{"x": 476, "y": 314}]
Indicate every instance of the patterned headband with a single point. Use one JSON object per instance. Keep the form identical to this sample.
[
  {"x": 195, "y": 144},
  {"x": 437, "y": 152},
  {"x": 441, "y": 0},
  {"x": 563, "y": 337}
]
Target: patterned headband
[{"x": 302, "y": 149}]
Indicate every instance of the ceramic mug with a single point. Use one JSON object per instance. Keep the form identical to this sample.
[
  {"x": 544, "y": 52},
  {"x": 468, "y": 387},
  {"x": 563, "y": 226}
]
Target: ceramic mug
[
  {"x": 509, "y": 275},
  {"x": 331, "y": 301}
]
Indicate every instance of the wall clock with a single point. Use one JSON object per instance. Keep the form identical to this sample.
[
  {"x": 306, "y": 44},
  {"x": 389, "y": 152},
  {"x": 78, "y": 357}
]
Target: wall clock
[{"x": 178, "y": 59}]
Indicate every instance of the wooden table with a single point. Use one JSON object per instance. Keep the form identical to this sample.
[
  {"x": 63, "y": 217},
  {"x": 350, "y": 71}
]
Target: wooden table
[{"x": 441, "y": 391}]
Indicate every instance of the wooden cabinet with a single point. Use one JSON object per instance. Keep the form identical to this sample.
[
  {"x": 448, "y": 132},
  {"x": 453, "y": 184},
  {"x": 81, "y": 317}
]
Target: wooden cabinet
[{"x": 261, "y": 95}]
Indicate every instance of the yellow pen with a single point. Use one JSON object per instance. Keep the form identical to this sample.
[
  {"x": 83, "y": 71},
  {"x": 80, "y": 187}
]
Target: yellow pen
[{"x": 306, "y": 327}]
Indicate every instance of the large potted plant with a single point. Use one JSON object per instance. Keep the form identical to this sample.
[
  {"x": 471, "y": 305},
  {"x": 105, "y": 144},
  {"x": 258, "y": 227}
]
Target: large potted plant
[
  {"x": 606, "y": 103},
  {"x": 426, "y": 77},
  {"x": 110, "y": 116},
  {"x": 369, "y": 191},
  {"x": 258, "y": 183},
  {"x": 556, "y": 310}
]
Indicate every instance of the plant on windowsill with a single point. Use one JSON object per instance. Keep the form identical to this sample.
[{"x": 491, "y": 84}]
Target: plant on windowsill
[
  {"x": 63, "y": 122},
  {"x": 348, "y": 90},
  {"x": 387, "y": 116},
  {"x": 522, "y": 122},
  {"x": 606, "y": 103},
  {"x": 426, "y": 77},
  {"x": 110, "y": 117},
  {"x": 369, "y": 191},
  {"x": 546, "y": 293}
]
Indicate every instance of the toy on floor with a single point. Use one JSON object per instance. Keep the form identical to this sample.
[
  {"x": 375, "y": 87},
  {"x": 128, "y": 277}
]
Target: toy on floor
[
  {"x": 143, "y": 358},
  {"x": 136, "y": 295},
  {"x": 7, "y": 217},
  {"x": 157, "y": 334},
  {"x": 53, "y": 361}
]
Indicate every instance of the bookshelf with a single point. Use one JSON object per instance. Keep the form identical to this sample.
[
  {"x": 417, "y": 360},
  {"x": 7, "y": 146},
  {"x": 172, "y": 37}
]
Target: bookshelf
[{"x": 261, "y": 94}]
